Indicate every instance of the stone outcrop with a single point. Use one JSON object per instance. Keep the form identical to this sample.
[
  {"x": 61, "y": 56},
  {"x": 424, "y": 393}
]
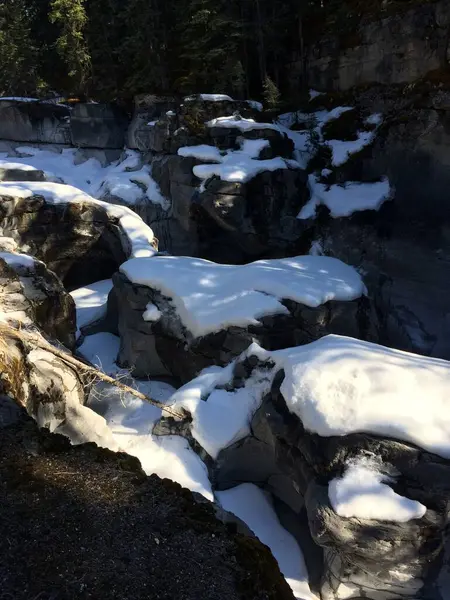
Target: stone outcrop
[
  {"x": 34, "y": 122},
  {"x": 379, "y": 44},
  {"x": 98, "y": 126},
  {"x": 167, "y": 347},
  {"x": 69, "y": 235},
  {"x": 372, "y": 558},
  {"x": 37, "y": 294}
]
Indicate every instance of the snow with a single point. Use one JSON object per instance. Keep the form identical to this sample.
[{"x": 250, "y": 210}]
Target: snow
[
  {"x": 91, "y": 302},
  {"x": 224, "y": 418},
  {"x": 139, "y": 236},
  {"x": 234, "y": 166},
  {"x": 314, "y": 94},
  {"x": 131, "y": 421},
  {"x": 15, "y": 260},
  {"x": 152, "y": 123},
  {"x": 125, "y": 178},
  {"x": 361, "y": 493},
  {"x": 240, "y": 123},
  {"x": 16, "y": 166},
  {"x": 339, "y": 385},
  {"x": 238, "y": 167},
  {"x": 342, "y": 150},
  {"x": 209, "y": 297},
  {"x": 101, "y": 350},
  {"x": 255, "y": 105},
  {"x": 375, "y": 119},
  {"x": 210, "y": 98},
  {"x": 252, "y": 506},
  {"x": 152, "y": 313},
  {"x": 202, "y": 152},
  {"x": 344, "y": 200}
]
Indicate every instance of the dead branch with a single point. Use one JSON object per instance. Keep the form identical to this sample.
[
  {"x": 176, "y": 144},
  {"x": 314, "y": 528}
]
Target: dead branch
[{"x": 36, "y": 341}]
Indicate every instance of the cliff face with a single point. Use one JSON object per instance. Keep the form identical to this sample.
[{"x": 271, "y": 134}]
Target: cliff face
[{"x": 385, "y": 45}]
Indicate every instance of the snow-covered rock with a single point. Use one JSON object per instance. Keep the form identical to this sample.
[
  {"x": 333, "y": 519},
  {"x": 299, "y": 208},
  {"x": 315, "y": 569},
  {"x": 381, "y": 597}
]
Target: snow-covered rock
[
  {"x": 353, "y": 440},
  {"x": 212, "y": 312}
]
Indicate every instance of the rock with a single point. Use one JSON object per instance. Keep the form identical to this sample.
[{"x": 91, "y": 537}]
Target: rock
[
  {"x": 372, "y": 47},
  {"x": 18, "y": 173},
  {"x": 75, "y": 486},
  {"x": 51, "y": 308},
  {"x": 34, "y": 122},
  {"x": 68, "y": 235},
  {"x": 98, "y": 126},
  {"x": 368, "y": 556},
  {"x": 258, "y": 217},
  {"x": 148, "y": 109},
  {"x": 167, "y": 347}
]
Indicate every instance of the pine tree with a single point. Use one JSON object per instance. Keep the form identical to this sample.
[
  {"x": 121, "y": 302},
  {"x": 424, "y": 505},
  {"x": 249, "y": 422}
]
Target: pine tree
[
  {"x": 271, "y": 93},
  {"x": 18, "y": 55},
  {"x": 70, "y": 16}
]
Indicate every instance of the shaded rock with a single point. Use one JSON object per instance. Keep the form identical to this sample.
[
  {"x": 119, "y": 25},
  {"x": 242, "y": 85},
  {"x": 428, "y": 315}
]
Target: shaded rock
[
  {"x": 98, "y": 126},
  {"x": 34, "y": 122},
  {"x": 375, "y": 47},
  {"x": 41, "y": 295}
]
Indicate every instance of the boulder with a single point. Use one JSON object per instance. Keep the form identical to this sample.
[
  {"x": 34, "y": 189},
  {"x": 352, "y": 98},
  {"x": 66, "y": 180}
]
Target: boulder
[
  {"x": 258, "y": 218},
  {"x": 68, "y": 230},
  {"x": 300, "y": 439},
  {"x": 98, "y": 126},
  {"x": 40, "y": 294},
  {"x": 165, "y": 345},
  {"x": 34, "y": 122}
]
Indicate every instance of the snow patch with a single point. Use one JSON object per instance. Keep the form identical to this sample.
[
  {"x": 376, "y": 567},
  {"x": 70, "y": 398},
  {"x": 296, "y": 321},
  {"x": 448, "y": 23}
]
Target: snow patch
[
  {"x": 210, "y": 98},
  {"x": 342, "y": 150},
  {"x": 210, "y": 297},
  {"x": 344, "y": 200},
  {"x": 252, "y": 506},
  {"x": 152, "y": 313},
  {"x": 363, "y": 493},
  {"x": 202, "y": 152},
  {"x": 240, "y": 123},
  {"x": 91, "y": 302}
]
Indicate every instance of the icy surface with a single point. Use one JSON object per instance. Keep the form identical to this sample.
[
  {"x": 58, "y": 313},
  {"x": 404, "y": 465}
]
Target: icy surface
[
  {"x": 344, "y": 200},
  {"x": 252, "y": 506},
  {"x": 210, "y": 297},
  {"x": 126, "y": 178},
  {"x": 139, "y": 236},
  {"x": 19, "y": 260},
  {"x": 363, "y": 492},
  {"x": 91, "y": 301}
]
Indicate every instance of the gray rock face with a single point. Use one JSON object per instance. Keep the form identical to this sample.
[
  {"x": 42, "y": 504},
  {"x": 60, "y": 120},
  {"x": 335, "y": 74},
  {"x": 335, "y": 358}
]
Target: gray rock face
[
  {"x": 370, "y": 558},
  {"x": 81, "y": 243},
  {"x": 34, "y": 122},
  {"x": 98, "y": 126},
  {"x": 259, "y": 218},
  {"x": 395, "y": 49},
  {"x": 35, "y": 295},
  {"x": 165, "y": 346}
]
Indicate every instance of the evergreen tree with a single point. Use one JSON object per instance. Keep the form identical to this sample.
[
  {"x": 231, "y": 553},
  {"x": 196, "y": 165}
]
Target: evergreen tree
[
  {"x": 70, "y": 16},
  {"x": 18, "y": 55},
  {"x": 271, "y": 93}
]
